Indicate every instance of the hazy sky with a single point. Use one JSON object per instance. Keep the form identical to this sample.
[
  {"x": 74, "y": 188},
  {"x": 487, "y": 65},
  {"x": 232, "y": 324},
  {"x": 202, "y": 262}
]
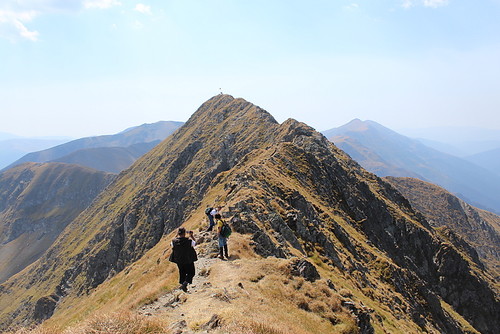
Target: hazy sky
[{"x": 87, "y": 67}]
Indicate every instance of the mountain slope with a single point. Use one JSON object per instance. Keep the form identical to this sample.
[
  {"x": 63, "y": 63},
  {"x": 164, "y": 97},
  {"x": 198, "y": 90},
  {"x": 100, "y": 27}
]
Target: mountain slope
[
  {"x": 388, "y": 148},
  {"x": 289, "y": 192},
  {"x": 37, "y": 201},
  {"x": 108, "y": 159},
  {"x": 479, "y": 228},
  {"x": 141, "y": 134},
  {"x": 489, "y": 160}
]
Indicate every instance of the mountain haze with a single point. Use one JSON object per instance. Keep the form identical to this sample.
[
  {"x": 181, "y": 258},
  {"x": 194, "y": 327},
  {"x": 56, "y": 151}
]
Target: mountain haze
[
  {"x": 460, "y": 141},
  {"x": 145, "y": 133},
  {"x": 37, "y": 201},
  {"x": 387, "y": 153},
  {"x": 290, "y": 194},
  {"x": 489, "y": 160},
  {"x": 108, "y": 159},
  {"x": 12, "y": 149}
]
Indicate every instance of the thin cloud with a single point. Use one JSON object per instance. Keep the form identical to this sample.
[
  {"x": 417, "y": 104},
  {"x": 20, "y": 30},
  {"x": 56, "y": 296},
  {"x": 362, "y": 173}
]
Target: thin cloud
[
  {"x": 142, "y": 8},
  {"x": 15, "y": 15},
  {"x": 24, "y": 32},
  {"x": 137, "y": 25},
  {"x": 426, "y": 3},
  {"x": 101, "y": 4},
  {"x": 435, "y": 3},
  {"x": 12, "y": 25},
  {"x": 352, "y": 6},
  {"x": 407, "y": 4}
]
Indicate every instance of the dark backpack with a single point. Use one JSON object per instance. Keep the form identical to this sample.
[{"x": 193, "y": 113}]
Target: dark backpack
[
  {"x": 226, "y": 230},
  {"x": 208, "y": 210},
  {"x": 182, "y": 251}
]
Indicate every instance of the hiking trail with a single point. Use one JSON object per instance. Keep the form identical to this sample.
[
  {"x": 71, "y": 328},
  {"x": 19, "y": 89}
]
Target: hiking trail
[{"x": 193, "y": 311}]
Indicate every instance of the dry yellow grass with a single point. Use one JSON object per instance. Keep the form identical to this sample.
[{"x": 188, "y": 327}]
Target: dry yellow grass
[{"x": 114, "y": 323}]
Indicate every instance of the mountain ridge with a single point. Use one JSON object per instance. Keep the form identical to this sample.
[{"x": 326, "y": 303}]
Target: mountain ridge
[{"x": 288, "y": 192}]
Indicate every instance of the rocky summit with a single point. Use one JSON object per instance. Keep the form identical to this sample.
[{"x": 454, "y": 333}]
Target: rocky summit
[{"x": 319, "y": 244}]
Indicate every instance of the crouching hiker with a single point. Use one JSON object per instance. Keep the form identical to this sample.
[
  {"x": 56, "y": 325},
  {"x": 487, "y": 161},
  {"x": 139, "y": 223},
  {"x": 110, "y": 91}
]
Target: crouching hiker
[
  {"x": 208, "y": 213},
  {"x": 223, "y": 232},
  {"x": 184, "y": 255}
]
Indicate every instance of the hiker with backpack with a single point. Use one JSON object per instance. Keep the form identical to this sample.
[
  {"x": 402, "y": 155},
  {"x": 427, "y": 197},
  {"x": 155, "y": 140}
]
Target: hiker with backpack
[
  {"x": 184, "y": 255},
  {"x": 223, "y": 232}
]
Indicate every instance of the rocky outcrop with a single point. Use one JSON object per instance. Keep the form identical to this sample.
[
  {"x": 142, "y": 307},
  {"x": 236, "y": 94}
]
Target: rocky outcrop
[
  {"x": 473, "y": 231},
  {"x": 306, "y": 269},
  {"x": 44, "y": 308}
]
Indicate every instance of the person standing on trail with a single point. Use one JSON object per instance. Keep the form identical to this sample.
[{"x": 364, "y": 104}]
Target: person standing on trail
[
  {"x": 222, "y": 238},
  {"x": 184, "y": 255}
]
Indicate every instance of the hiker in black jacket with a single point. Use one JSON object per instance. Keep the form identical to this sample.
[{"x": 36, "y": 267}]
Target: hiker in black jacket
[{"x": 184, "y": 255}]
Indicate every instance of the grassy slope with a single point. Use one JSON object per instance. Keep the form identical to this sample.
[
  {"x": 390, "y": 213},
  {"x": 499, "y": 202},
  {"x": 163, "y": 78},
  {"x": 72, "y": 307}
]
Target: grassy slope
[{"x": 40, "y": 200}]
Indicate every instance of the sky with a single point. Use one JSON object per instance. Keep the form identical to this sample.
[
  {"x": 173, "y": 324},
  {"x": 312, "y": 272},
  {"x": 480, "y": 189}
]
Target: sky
[{"x": 88, "y": 67}]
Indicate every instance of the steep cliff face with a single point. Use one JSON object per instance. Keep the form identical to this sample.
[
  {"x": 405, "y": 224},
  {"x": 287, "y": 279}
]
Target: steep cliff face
[
  {"x": 290, "y": 191},
  {"x": 479, "y": 228},
  {"x": 37, "y": 201}
]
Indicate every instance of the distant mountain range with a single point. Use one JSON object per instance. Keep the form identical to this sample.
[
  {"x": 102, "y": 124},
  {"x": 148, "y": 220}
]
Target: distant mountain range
[
  {"x": 4, "y": 136},
  {"x": 460, "y": 141},
  {"x": 108, "y": 159},
  {"x": 37, "y": 201},
  {"x": 387, "y": 153},
  {"x": 111, "y": 153},
  {"x": 12, "y": 149}
]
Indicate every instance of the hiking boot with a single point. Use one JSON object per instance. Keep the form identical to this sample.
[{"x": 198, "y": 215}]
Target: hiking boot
[
  {"x": 221, "y": 254},
  {"x": 184, "y": 286}
]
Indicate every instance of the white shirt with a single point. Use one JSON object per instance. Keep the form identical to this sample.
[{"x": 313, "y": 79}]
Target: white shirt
[{"x": 193, "y": 243}]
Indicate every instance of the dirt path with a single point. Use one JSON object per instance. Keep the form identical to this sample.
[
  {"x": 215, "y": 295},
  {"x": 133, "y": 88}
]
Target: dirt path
[{"x": 192, "y": 311}]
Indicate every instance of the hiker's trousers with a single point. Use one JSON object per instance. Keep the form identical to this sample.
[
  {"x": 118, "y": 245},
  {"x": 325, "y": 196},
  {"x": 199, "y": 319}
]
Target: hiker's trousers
[
  {"x": 186, "y": 272},
  {"x": 222, "y": 241}
]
